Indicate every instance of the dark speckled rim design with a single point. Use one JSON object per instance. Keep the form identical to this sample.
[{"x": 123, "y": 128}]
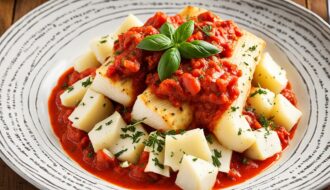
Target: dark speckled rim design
[{"x": 30, "y": 54}]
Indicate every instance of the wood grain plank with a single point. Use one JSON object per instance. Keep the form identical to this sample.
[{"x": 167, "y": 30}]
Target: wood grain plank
[
  {"x": 10, "y": 180},
  {"x": 6, "y": 14},
  {"x": 24, "y": 6},
  {"x": 301, "y": 2},
  {"x": 319, "y": 7}
]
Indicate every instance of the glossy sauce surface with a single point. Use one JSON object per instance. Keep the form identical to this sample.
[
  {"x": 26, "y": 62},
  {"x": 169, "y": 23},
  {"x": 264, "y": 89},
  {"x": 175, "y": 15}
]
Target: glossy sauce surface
[
  {"x": 209, "y": 85},
  {"x": 77, "y": 145}
]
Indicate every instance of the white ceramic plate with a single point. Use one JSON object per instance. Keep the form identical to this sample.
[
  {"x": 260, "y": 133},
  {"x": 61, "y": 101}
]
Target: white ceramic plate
[{"x": 41, "y": 46}]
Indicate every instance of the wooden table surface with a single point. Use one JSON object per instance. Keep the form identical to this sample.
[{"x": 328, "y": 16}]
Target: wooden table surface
[{"x": 12, "y": 10}]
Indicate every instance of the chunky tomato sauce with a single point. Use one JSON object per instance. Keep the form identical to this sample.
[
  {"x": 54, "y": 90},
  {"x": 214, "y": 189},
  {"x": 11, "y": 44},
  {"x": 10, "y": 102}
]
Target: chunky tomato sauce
[{"x": 208, "y": 84}]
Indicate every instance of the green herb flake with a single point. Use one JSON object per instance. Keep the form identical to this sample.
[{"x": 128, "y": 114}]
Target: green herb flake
[
  {"x": 102, "y": 41},
  {"x": 259, "y": 91},
  {"x": 70, "y": 88},
  {"x": 209, "y": 138},
  {"x": 157, "y": 163},
  {"x": 239, "y": 131},
  {"x": 216, "y": 158},
  {"x": 90, "y": 155},
  {"x": 87, "y": 82},
  {"x": 194, "y": 159},
  {"x": 108, "y": 123},
  {"x": 120, "y": 152},
  {"x": 99, "y": 128},
  {"x": 233, "y": 109},
  {"x": 268, "y": 124},
  {"x": 131, "y": 126},
  {"x": 155, "y": 141},
  {"x": 136, "y": 137},
  {"x": 181, "y": 160},
  {"x": 170, "y": 132},
  {"x": 253, "y": 48}
]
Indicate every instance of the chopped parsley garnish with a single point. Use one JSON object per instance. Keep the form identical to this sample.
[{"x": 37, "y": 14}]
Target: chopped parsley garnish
[
  {"x": 246, "y": 63},
  {"x": 120, "y": 152},
  {"x": 128, "y": 128},
  {"x": 70, "y": 88},
  {"x": 87, "y": 82},
  {"x": 181, "y": 131},
  {"x": 172, "y": 154},
  {"x": 99, "y": 128},
  {"x": 157, "y": 163},
  {"x": 194, "y": 159},
  {"x": 90, "y": 155},
  {"x": 253, "y": 48},
  {"x": 259, "y": 91},
  {"x": 181, "y": 160},
  {"x": 108, "y": 123},
  {"x": 155, "y": 141},
  {"x": 233, "y": 109},
  {"x": 171, "y": 132},
  {"x": 131, "y": 126},
  {"x": 103, "y": 41},
  {"x": 136, "y": 136},
  {"x": 267, "y": 124},
  {"x": 209, "y": 138},
  {"x": 215, "y": 158},
  {"x": 239, "y": 131}
]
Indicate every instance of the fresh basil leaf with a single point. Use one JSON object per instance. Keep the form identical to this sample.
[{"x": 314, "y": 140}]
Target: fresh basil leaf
[
  {"x": 167, "y": 29},
  {"x": 168, "y": 63},
  {"x": 184, "y": 32},
  {"x": 156, "y": 42},
  {"x": 197, "y": 49}
]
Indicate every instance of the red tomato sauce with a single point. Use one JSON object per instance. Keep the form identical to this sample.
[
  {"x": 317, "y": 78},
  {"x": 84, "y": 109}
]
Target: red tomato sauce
[
  {"x": 209, "y": 85},
  {"x": 77, "y": 145},
  {"x": 193, "y": 82}
]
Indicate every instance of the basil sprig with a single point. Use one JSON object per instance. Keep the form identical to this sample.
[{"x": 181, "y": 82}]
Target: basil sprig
[
  {"x": 167, "y": 29},
  {"x": 157, "y": 42},
  {"x": 168, "y": 63},
  {"x": 174, "y": 42},
  {"x": 197, "y": 49}
]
